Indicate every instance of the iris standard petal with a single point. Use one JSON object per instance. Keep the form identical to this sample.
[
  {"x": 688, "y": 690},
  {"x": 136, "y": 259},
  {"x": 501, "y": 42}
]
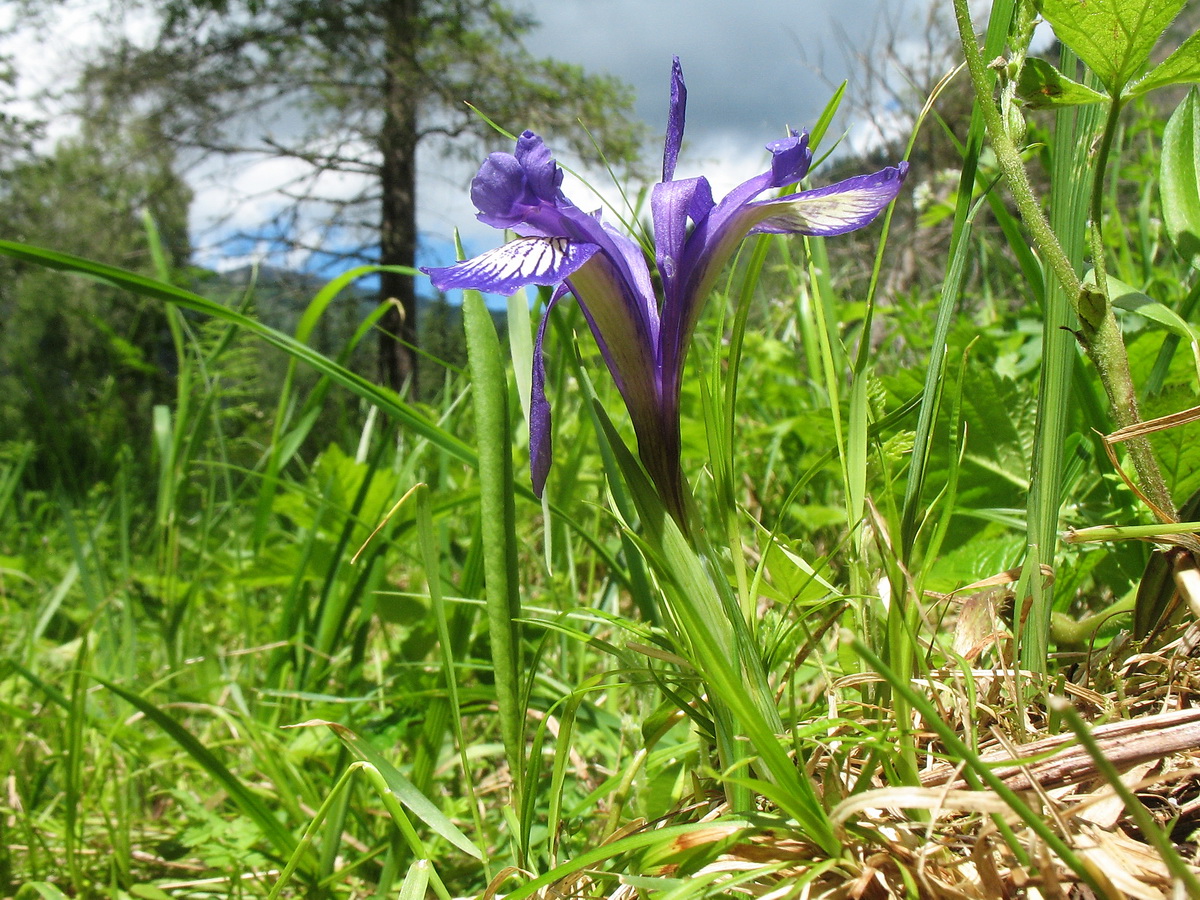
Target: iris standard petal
[
  {"x": 675, "y": 117},
  {"x": 671, "y": 205},
  {"x": 499, "y": 192},
  {"x": 542, "y": 173},
  {"x": 525, "y": 261},
  {"x": 836, "y": 209}
]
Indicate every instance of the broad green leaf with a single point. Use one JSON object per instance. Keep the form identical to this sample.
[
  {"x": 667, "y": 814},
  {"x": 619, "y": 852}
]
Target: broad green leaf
[
  {"x": 1181, "y": 67},
  {"x": 1042, "y": 86},
  {"x": 1130, "y": 299},
  {"x": 1180, "y": 177},
  {"x": 1113, "y": 37},
  {"x": 1127, "y": 297},
  {"x": 403, "y": 789}
]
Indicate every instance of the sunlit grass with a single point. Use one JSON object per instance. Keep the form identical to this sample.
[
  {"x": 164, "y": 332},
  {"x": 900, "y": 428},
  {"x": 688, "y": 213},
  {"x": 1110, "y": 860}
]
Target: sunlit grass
[{"x": 811, "y": 692}]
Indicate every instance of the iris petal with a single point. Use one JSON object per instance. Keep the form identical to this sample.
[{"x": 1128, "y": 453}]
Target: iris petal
[
  {"x": 790, "y": 159},
  {"x": 541, "y": 449},
  {"x": 498, "y": 190},
  {"x": 531, "y": 260},
  {"x": 675, "y": 117},
  {"x": 835, "y": 209},
  {"x": 542, "y": 174},
  {"x": 643, "y": 344}
]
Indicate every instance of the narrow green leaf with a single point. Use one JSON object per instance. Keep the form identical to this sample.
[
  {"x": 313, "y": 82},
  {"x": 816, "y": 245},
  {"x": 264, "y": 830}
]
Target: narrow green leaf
[
  {"x": 1113, "y": 37},
  {"x": 974, "y": 767},
  {"x": 1153, "y": 833},
  {"x": 1181, "y": 67},
  {"x": 489, "y": 387},
  {"x": 661, "y": 837},
  {"x": 1074, "y": 129},
  {"x": 960, "y": 247},
  {"x": 430, "y": 557},
  {"x": 404, "y": 791},
  {"x": 416, "y": 882},
  {"x": 1041, "y": 86},
  {"x": 826, "y": 118},
  {"x": 520, "y": 348},
  {"x": 31, "y": 890},
  {"x": 735, "y": 681},
  {"x": 1180, "y": 177}
]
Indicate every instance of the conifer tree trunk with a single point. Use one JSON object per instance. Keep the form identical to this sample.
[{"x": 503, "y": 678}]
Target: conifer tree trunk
[{"x": 398, "y": 226}]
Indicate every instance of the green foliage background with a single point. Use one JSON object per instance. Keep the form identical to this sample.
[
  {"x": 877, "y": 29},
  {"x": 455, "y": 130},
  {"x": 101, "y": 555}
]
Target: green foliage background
[{"x": 215, "y": 527}]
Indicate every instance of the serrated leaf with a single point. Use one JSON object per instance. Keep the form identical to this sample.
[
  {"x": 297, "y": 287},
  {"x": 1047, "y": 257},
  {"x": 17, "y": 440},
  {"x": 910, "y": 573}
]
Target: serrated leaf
[
  {"x": 1179, "y": 181},
  {"x": 1042, "y": 86},
  {"x": 1113, "y": 37},
  {"x": 1181, "y": 67}
]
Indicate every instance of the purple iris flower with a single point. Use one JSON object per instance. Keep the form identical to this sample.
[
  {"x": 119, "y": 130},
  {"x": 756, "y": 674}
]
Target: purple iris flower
[{"x": 644, "y": 338}]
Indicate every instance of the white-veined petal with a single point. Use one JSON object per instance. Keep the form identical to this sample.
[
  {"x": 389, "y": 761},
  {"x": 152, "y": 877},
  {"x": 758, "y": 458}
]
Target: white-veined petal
[
  {"x": 525, "y": 261},
  {"x": 835, "y": 209}
]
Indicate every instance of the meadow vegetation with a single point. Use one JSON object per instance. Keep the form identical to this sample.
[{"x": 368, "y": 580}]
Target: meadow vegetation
[{"x": 329, "y": 643}]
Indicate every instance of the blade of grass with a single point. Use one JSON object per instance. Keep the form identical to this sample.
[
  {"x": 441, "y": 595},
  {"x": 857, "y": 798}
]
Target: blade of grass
[
  {"x": 447, "y": 647},
  {"x": 960, "y": 245},
  {"x": 731, "y": 669},
  {"x": 1145, "y": 821},
  {"x": 1074, "y": 128},
  {"x": 148, "y": 287},
  {"x": 402, "y": 789}
]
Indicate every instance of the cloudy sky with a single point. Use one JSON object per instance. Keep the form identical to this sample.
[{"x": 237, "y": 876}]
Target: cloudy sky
[{"x": 752, "y": 68}]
